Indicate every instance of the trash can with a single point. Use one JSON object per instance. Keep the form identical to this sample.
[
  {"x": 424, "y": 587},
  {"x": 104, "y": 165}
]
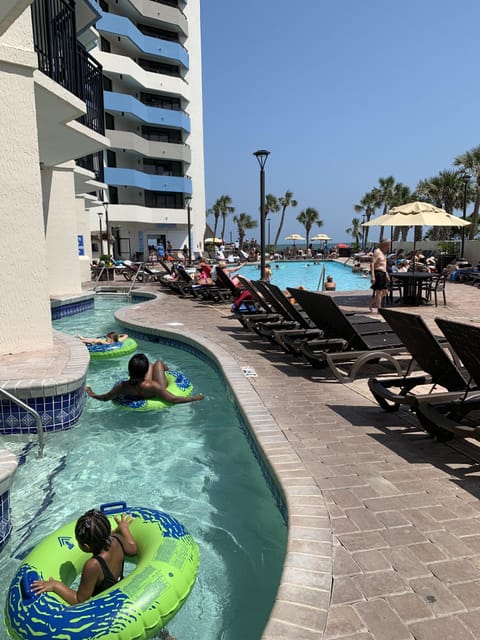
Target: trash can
[{"x": 344, "y": 252}]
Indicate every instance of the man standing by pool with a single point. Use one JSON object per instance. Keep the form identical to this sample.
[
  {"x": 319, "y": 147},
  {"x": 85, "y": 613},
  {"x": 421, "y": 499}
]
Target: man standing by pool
[{"x": 378, "y": 274}]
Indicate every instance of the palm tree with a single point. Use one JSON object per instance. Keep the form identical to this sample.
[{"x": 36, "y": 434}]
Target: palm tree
[
  {"x": 243, "y": 222},
  {"x": 215, "y": 212},
  {"x": 366, "y": 206},
  {"x": 401, "y": 195},
  {"x": 308, "y": 218},
  {"x": 355, "y": 230},
  {"x": 225, "y": 204},
  {"x": 384, "y": 196},
  {"x": 445, "y": 190},
  {"x": 470, "y": 163},
  {"x": 284, "y": 202}
]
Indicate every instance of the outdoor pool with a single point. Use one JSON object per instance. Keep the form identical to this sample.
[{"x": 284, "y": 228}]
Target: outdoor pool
[
  {"x": 308, "y": 274},
  {"x": 192, "y": 460}
]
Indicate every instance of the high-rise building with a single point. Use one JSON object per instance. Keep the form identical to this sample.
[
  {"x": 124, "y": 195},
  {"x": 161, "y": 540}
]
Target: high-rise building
[{"x": 150, "y": 51}]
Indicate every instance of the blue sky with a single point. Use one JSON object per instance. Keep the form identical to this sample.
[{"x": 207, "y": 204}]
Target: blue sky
[{"x": 341, "y": 93}]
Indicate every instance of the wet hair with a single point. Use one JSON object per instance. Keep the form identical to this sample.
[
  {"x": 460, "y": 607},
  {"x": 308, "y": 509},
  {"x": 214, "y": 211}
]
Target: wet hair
[
  {"x": 94, "y": 530},
  {"x": 137, "y": 368},
  {"x": 114, "y": 336},
  {"x": 329, "y": 278}
]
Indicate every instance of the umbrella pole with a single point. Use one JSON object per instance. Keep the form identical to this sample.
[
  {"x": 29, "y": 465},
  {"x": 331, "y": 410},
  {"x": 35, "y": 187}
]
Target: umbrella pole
[{"x": 414, "y": 245}]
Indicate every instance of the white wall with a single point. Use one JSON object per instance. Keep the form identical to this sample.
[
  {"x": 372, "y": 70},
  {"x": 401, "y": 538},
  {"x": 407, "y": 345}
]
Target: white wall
[
  {"x": 195, "y": 110},
  {"x": 25, "y": 308},
  {"x": 61, "y": 230}
]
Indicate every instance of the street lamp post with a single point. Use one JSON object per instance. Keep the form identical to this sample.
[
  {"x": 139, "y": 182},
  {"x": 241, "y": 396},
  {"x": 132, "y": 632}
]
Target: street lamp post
[
  {"x": 105, "y": 206},
  {"x": 268, "y": 243},
  {"x": 100, "y": 214},
  {"x": 188, "y": 200},
  {"x": 466, "y": 180},
  {"x": 262, "y": 156},
  {"x": 363, "y": 232}
]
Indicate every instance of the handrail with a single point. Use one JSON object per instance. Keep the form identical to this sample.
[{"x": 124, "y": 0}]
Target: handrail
[
  {"x": 321, "y": 280},
  {"x": 30, "y": 410}
]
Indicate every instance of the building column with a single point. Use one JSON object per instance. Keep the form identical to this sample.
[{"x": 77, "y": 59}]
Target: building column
[
  {"x": 60, "y": 211},
  {"x": 25, "y": 308}
]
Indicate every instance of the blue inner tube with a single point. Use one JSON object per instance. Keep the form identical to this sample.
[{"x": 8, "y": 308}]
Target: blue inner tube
[{"x": 112, "y": 349}]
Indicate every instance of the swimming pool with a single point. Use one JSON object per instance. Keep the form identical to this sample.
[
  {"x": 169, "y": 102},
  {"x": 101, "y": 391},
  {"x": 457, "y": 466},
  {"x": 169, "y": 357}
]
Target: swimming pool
[
  {"x": 308, "y": 274},
  {"x": 192, "y": 460}
]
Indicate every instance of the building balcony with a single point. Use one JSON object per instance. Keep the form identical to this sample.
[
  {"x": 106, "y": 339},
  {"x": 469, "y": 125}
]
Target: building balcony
[
  {"x": 128, "y": 213},
  {"x": 137, "y": 42},
  {"x": 123, "y": 103},
  {"x": 132, "y": 178},
  {"x": 149, "y": 148},
  {"x": 156, "y": 11},
  {"x": 136, "y": 78}
]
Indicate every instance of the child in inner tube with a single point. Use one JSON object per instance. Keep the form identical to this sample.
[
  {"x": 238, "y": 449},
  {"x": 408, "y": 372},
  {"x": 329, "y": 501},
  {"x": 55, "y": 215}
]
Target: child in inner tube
[
  {"x": 146, "y": 381},
  {"x": 111, "y": 337},
  {"x": 94, "y": 535}
]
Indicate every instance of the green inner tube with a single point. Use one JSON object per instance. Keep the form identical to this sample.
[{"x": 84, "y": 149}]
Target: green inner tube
[
  {"x": 112, "y": 349},
  {"x": 178, "y": 384}
]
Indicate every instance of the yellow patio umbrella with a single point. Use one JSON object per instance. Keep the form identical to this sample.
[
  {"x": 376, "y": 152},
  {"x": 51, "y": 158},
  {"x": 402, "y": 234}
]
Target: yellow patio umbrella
[
  {"x": 213, "y": 241},
  {"x": 294, "y": 237},
  {"x": 417, "y": 214}
]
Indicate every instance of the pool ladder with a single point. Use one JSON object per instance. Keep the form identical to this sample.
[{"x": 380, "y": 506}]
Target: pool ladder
[
  {"x": 32, "y": 411},
  {"x": 118, "y": 292}
]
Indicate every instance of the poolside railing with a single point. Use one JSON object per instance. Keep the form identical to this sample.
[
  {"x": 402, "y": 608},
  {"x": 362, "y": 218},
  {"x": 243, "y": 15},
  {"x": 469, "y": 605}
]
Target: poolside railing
[{"x": 32, "y": 411}]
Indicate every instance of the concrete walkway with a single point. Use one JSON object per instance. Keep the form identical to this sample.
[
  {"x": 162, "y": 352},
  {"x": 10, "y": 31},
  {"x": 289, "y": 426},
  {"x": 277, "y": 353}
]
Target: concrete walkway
[{"x": 384, "y": 529}]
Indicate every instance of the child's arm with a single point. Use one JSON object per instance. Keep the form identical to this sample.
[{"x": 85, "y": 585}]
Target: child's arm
[{"x": 123, "y": 528}]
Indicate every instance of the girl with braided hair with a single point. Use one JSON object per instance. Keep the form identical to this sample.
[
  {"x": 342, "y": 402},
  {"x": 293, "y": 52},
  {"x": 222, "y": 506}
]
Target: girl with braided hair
[{"x": 94, "y": 535}]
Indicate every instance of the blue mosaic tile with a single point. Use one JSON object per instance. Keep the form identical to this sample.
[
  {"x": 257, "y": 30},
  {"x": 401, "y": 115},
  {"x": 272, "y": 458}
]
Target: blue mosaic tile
[
  {"x": 71, "y": 308},
  {"x": 56, "y": 413}
]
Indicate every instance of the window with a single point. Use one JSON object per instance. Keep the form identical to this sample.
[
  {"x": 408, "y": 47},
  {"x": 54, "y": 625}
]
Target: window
[
  {"x": 163, "y": 200},
  {"x": 162, "y": 135},
  {"x": 163, "y": 102}
]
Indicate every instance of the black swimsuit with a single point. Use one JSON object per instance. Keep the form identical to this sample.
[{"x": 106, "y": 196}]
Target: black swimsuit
[{"x": 108, "y": 578}]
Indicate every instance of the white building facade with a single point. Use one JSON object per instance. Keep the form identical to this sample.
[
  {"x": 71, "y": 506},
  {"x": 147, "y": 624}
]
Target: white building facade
[
  {"x": 150, "y": 52},
  {"x": 51, "y": 113}
]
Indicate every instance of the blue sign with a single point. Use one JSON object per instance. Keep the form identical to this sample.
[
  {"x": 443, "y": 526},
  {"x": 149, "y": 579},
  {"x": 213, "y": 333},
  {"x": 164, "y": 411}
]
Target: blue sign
[{"x": 81, "y": 245}]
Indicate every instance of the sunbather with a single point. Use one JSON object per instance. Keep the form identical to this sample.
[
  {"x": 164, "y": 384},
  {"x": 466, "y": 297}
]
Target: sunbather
[{"x": 111, "y": 336}]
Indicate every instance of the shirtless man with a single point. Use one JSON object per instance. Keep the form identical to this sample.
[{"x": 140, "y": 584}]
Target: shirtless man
[
  {"x": 378, "y": 274},
  {"x": 146, "y": 380}
]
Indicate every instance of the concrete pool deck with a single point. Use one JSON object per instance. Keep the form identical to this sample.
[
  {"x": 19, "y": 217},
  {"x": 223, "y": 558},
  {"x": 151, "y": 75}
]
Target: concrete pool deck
[{"x": 384, "y": 523}]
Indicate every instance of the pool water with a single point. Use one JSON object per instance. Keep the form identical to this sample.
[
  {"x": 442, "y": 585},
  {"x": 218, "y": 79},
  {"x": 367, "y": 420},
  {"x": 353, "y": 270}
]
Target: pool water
[
  {"x": 191, "y": 460},
  {"x": 309, "y": 275}
]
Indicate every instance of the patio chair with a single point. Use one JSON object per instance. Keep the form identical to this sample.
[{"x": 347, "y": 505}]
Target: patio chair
[
  {"x": 435, "y": 286},
  {"x": 366, "y": 339},
  {"x": 427, "y": 352},
  {"x": 455, "y": 414}
]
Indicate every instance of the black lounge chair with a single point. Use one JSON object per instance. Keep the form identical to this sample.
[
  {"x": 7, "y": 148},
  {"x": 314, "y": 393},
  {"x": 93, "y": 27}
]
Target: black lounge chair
[
  {"x": 427, "y": 352},
  {"x": 366, "y": 339},
  {"x": 301, "y": 327},
  {"x": 454, "y": 414}
]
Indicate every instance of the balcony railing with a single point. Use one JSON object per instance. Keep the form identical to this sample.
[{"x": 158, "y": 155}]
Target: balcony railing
[
  {"x": 94, "y": 163},
  {"x": 63, "y": 59}
]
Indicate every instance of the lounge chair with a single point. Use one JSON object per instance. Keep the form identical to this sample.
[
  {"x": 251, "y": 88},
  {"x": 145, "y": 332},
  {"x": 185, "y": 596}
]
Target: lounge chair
[
  {"x": 454, "y": 414},
  {"x": 426, "y": 352},
  {"x": 366, "y": 339},
  {"x": 132, "y": 271}
]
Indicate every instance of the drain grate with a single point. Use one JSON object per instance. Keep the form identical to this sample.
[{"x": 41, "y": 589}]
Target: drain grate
[{"x": 248, "y": 372}]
